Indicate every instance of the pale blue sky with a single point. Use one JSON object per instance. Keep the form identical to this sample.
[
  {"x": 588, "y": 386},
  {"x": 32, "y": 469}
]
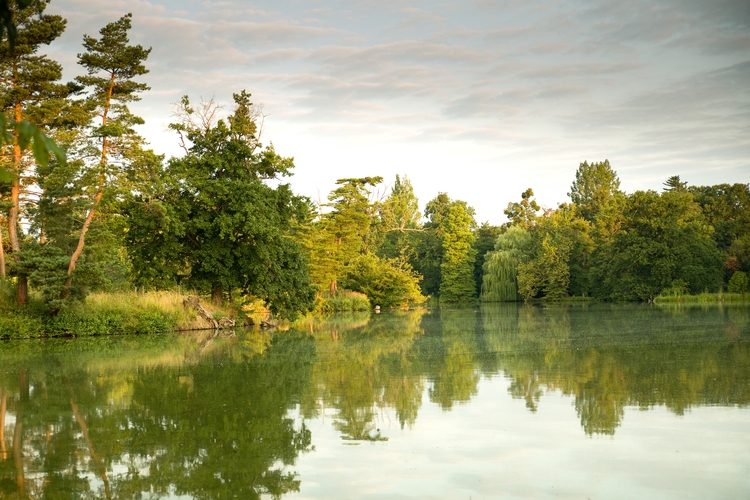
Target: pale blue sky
[{"x": 479, "y": 99}]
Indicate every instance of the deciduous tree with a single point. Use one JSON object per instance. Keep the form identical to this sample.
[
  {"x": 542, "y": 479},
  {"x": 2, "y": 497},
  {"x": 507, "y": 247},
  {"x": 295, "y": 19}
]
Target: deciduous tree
[
  {"x": 217, "y": 225},
  {"x": 594, "y": 187}
]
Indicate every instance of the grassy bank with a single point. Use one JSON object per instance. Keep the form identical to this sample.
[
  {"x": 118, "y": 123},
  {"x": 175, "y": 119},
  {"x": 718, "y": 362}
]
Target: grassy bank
[
  {"x": 703, "y": 298},
  {"x": 126, "y": 313},
  {"x": 102, "y": 314},
  {"x": 341, "y": 301}
]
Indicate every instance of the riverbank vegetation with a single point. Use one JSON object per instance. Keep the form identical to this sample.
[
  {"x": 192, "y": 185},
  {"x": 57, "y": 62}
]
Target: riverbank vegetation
[{"x": 219, "y": 219}]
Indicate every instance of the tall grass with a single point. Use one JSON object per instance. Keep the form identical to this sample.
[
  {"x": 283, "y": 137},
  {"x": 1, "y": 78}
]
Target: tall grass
[
  {"x": 101, "y": 314},
  {"x": 704, "y": 297},
  {"x": 121, "y": 313},
  {"x": 342, "y": 301}
]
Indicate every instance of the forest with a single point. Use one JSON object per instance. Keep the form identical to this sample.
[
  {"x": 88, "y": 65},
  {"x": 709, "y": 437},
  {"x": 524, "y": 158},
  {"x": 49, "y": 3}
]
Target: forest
[{"x": 112, "y": 216}]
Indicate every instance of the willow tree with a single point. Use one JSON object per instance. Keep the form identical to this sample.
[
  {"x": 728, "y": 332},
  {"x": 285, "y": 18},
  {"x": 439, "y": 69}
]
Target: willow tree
[
  {"x": 559, "y": 243},
  {"x": 500, "y": 279}
]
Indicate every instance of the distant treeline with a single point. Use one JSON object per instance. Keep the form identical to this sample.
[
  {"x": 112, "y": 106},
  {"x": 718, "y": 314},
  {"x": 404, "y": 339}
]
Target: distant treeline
[{"x": 115, "y": 215}]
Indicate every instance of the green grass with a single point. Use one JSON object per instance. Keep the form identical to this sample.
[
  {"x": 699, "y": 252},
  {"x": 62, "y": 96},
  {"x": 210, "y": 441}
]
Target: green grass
[
  {"x": 342, "y": 301},
  {"x": 704, "y": 297},
  {"x": 121, "y": 313}
]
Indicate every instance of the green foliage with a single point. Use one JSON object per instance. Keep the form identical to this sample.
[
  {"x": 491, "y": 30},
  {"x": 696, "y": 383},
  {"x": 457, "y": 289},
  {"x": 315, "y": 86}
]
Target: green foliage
[
  {"x": 594, "y": 187},
  {"x": 15, "y": 324},
  {"x": 426, "y": 258},
  {"x": 346, "y": 231},
  {"x": 523, "y": 213},
  {"x": 111, "y": 64},
  {"x": 559, "y": 240},
  {"x": 215, "y": 225},
  {"x": 341, "y": 301},
  {"x": 484, "y": 242},
  {"x": 387, "y": 283},
  {"x": 84, "y": 321},
  {"x": 459, "y": 255},
  {"x": 727, "y": 208},
  {"x": 400, "y": 221},
  {"x": 548, "y": 273},
  {"x": 102, "y": 314},
  {"x": 663, "y": 238},
  {"x": 739, "y": 283},
  {"x": 674, "y": 183},
  {"x": 23, "y": 30},
  {"x": 428, "y": 245},
  {"x": 500, "y": 279}
]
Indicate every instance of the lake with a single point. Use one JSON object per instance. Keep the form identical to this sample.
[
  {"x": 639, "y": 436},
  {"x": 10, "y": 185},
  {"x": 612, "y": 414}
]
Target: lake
[{"x": 502, "y": 401}]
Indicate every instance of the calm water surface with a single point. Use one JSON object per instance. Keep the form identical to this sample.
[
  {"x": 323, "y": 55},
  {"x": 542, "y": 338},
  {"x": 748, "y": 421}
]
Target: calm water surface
[{"x": 495, "y": 402}]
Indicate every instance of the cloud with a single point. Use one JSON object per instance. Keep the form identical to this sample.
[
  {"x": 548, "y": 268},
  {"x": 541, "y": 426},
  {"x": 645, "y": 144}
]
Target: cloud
[{"x": 653, "y": 86}]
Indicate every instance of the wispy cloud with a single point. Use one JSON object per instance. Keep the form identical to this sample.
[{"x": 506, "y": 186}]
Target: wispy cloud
[{"x": 658, "y": 88}]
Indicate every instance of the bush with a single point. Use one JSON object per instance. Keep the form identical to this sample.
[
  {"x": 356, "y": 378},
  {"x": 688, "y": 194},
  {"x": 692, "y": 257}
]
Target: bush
[
  {"x": 342, "y": 301},
  {"x": 15, "y": 325},
  {"x": 387, "y": 283},
  {"x": 738, "y": 283}
]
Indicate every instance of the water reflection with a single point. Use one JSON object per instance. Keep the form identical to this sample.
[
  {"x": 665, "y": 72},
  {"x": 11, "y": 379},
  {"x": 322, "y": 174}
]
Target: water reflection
[
  {"x": 116, "y": 421},
  {"x": 363, "y": 367},
  {"x": 611, "y": 357},
  {"x": 212, "y": 416}
]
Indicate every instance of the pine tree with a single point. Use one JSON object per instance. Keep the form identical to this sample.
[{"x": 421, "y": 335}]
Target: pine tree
[
  {"x": 400, "y": 220},
  {"x": 111, "y": 65},
  {"x": 343, "y": 233},
  {"x": 29, "y": 94}
]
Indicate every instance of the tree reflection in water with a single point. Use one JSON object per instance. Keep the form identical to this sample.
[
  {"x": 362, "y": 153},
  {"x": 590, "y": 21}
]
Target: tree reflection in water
[
  {"x": 213, "y": 416},
  {"x": 609, "y": 357},
  {"x": 151, "y": 418}
]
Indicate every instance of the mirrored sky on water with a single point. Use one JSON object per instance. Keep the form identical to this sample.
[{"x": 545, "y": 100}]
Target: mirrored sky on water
[
  {"x": 493, "y": 447},
  {"x": 494, "y": 96}
]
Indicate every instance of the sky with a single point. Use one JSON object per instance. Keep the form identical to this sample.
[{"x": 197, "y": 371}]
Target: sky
[{"x": 479, "y": 99}]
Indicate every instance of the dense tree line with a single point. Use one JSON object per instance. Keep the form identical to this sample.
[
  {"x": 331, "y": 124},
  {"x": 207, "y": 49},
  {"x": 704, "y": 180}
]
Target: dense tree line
[
  {"x": 110, "y": 214},
  {"x": 616, "y": 246}
]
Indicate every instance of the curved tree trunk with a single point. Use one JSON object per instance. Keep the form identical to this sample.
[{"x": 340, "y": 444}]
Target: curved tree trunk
[{"x": 99, "y": 192}]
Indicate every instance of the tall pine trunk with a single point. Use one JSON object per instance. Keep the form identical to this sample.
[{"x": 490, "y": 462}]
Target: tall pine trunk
[
  {"x": 97, "y": 199},
  {"x": 15, "y": 196}
]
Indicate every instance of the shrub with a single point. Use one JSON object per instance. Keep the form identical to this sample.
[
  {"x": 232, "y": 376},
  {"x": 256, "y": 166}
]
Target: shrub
[
  {"x": 387, "y": 283},
  {"x": 739, "y": 282},
  {"x": 15, "y": 325},
  {"x": 342, "y": 301}
]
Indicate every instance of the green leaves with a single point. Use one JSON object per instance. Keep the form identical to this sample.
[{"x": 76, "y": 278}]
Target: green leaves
[
  {"x": 6, "y": 20},
  {"x": 213, "y": 224},
  {"x": 387, "y": 283},
  {"x": 664, "y": 238},
  {"x": 457, "y": 266},
  {"x": 28, "y": 134}
]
